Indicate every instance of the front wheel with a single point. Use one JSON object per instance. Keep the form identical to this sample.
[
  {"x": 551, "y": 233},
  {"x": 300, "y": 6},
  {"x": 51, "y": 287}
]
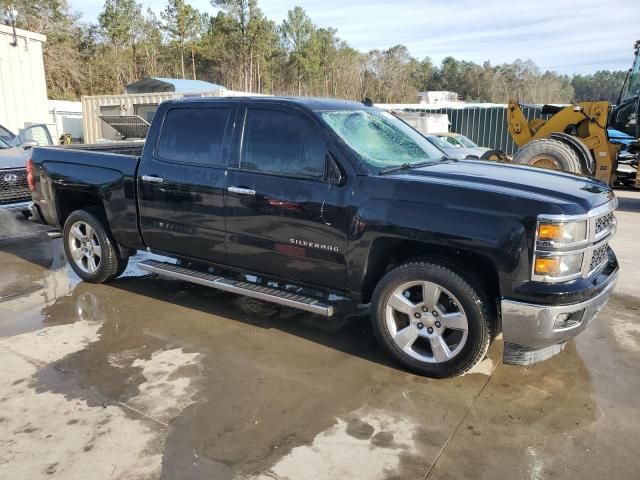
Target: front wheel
[
  {"x": 90, "y": 249},
  {"x": 431, "y": 319}
]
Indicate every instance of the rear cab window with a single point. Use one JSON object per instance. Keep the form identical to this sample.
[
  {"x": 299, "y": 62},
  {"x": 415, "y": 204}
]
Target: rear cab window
[{"x": 194, "y": 135}]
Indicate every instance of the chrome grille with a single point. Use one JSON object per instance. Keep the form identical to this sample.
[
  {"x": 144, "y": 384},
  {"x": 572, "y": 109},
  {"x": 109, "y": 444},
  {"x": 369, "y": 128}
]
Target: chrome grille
[
  {"x": 13, "y": 186},
  {"x": 599, "y": 256},
  {"x": 605, "y": 222}
]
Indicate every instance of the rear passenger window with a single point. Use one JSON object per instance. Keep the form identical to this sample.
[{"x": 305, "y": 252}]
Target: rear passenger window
[
  {"x": 281, "y": 142},
  {"x": 193, "y": 135}
]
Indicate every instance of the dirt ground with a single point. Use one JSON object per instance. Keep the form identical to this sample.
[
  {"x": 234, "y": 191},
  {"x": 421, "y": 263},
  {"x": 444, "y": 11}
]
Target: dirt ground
[{"x": 152, "y": 378}]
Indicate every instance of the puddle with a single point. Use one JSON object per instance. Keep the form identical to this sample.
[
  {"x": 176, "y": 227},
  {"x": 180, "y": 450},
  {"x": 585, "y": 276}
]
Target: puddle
[
  {"x": 369, "y": 443},
  {"x": 166, "y": 391},
  {"x": 72, "y": 439}
]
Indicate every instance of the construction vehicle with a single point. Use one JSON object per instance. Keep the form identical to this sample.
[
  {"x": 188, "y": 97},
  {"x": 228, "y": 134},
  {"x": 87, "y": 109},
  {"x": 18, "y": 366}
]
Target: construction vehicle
[{"x": 588, "y": 138}]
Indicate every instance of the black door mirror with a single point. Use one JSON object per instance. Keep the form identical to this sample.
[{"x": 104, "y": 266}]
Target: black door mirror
[{"x": 332, "y": 172}]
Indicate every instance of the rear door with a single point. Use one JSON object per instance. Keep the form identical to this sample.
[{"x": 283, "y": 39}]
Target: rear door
[
  {"x": 182, "y": 182},
  {"x": 284, "y": 218}
]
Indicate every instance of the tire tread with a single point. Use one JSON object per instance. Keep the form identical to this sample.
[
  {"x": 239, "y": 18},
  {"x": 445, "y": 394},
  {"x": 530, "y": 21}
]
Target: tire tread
[
  {"x": 468, "y": 282},
  {"x": 563, "y": 153}
]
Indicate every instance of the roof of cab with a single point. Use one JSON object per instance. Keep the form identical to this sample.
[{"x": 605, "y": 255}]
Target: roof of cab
[{"x": 316, "y": 104}]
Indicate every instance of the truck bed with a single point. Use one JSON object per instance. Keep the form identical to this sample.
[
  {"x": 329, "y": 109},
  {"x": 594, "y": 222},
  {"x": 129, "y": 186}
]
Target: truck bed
[
  {"x": 120, "y": 148},
  {"x": 102, "y": 174}
]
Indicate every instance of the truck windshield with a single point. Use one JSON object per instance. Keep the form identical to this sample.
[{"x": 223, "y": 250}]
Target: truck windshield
[
  {"x": 380, "y": 139},
  {"x": 632, "y": 87}
]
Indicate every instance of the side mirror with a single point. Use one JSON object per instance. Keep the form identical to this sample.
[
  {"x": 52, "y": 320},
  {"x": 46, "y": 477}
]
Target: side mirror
[{"x": 332, "y": 173}]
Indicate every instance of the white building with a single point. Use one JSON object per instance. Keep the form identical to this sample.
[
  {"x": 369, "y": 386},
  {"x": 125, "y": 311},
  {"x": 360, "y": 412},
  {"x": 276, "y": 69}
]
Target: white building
[
  {"x": 437, "y": 96},
  {"x": 23, "y": 88}
]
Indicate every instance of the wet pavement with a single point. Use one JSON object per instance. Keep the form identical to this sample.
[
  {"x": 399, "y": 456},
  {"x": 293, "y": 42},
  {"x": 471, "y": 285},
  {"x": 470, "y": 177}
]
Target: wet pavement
[{"x": 152, "y": 378}]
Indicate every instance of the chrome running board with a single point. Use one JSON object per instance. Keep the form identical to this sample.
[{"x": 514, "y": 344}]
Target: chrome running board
[{"x": 252, "y": 290}]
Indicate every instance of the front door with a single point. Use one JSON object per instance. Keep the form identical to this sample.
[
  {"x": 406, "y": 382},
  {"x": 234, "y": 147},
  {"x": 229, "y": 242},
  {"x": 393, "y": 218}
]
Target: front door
[
  {"x": 182, "y": 182},
  {"x": 284, "y": 218}
]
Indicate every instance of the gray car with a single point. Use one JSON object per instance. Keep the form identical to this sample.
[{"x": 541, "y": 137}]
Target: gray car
[
  {"x": 14, "y": 152},
  {"x": 458, "y": 146}
]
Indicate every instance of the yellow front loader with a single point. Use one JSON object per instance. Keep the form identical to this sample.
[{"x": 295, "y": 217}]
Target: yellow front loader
[{"x": 575, "y": 138}]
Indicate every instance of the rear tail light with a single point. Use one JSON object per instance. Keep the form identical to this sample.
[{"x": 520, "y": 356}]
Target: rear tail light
[{"x": 30, "y": 180}]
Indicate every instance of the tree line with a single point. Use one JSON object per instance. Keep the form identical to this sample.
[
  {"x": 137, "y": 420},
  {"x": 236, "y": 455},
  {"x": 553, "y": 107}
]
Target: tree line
[{"x": 240, "y": 48}]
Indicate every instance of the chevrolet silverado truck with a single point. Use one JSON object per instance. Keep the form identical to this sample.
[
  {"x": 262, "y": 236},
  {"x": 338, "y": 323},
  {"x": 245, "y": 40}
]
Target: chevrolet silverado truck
[{"x": 302, "y": 201}]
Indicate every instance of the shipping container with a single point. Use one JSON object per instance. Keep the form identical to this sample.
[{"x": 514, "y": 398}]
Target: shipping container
[{"x": 143, "y": 105}]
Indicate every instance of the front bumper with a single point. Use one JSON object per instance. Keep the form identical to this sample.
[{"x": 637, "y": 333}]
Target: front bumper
[
  {"x": 16, "y": 207},
  {"x": 530, "y": 331}
]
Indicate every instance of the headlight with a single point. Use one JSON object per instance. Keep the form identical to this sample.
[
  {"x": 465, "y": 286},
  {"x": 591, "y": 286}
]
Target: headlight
[
  {"x": 562, "y": 232},
  {"x": 558, "y": 266}
]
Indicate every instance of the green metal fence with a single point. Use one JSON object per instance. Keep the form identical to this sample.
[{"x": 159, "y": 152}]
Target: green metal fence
[{"x": 485, "y": 125}]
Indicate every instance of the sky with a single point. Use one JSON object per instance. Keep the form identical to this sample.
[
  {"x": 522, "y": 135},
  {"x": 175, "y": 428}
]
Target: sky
[{"x": 567, "y": 36}]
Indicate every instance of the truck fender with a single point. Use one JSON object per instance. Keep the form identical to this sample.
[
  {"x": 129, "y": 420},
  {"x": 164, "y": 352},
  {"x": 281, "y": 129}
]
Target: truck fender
[{"x": 578, "y": 146}]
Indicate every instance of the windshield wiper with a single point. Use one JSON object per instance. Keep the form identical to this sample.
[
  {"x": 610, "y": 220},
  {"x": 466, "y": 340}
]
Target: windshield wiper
[{"x": 406, "y": 166}]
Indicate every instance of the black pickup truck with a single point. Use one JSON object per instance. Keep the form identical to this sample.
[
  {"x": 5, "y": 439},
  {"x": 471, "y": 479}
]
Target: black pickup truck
[{"x": 296, "y": 200}]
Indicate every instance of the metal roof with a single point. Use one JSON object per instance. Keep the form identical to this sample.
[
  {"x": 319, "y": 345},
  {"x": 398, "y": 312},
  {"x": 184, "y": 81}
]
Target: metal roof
[{"x": 157, "y": 84}]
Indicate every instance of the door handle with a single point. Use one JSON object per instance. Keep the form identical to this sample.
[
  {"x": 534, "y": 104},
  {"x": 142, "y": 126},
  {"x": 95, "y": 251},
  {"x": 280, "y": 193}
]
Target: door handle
[
  {"x": 152, "y": 178},
  {"x": 241, "y": 190}
]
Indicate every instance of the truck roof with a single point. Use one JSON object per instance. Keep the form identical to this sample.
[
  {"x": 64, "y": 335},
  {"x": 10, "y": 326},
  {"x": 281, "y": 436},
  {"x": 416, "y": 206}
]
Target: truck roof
[{"x": 315, "y": 104}]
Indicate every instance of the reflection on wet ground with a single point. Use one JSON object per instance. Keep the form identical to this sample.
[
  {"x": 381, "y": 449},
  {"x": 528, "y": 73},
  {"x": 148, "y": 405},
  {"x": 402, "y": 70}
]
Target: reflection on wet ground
[{"x": 147, "y": 377}]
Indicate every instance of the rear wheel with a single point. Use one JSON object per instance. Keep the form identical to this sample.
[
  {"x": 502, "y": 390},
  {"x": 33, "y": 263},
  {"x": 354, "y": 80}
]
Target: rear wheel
[
  {"x": 548, "y": 153},
  {"x": 431, "y": 319},
  {"x": 90, "y": 248}
]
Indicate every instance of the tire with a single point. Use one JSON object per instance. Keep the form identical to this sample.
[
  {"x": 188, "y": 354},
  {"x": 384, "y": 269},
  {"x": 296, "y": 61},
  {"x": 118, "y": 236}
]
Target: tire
[
  {"x": 124, "y": 263},
  {"x": 549, "y": 153},
  {"x": 459, "y": 301},
  {"x": 90, "y": 249}
]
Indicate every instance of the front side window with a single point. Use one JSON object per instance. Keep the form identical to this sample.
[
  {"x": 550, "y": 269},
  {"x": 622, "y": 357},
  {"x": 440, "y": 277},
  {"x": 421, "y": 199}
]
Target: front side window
[
  {"x": 379, "y": 138},
  {"x": 193, "y": 135},
  {"x": 280, "y": 142}
]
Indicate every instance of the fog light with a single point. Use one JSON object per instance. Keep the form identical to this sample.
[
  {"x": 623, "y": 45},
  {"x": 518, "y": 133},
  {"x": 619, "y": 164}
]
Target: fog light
[{"x": 567, "y": 320}]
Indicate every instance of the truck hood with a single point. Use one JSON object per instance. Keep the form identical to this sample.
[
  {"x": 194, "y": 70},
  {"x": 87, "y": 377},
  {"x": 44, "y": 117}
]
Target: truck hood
[
  {"x": 14, "y": 157},
  {"x": 572, "y": 194}
]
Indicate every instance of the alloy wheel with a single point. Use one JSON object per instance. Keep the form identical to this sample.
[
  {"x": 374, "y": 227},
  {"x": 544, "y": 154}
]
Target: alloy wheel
[
  {"x": 85, "y": 247},
  {"x": 426, "y": 321}
]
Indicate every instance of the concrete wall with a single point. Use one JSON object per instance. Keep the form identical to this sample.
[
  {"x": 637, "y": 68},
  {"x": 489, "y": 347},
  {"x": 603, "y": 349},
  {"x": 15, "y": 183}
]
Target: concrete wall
[{"x": 23, "y": 89}]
